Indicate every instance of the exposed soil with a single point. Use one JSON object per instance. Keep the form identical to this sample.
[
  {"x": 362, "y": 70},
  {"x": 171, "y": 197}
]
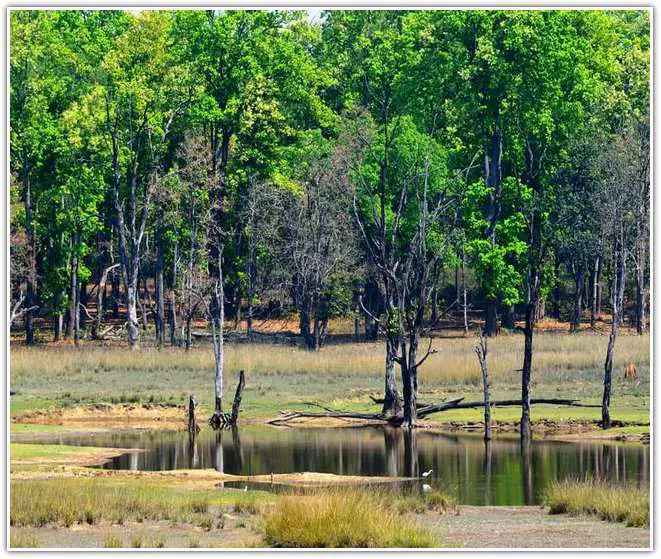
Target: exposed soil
[
  {"x": 157, "y": 416},
  {"x": 84, "y": 456},
  {"x": 238, "y": 531},
  {"x": 472, "y": 527},
  {"x": 531, "y": 527},
  {"x": 110, "y": 416}
]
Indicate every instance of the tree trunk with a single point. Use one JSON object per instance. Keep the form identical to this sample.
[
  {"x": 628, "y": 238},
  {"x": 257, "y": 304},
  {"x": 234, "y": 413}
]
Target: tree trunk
[
  {"x": 114, "y": 294},
  {"x": 217, "y": 326},
  {"x": 391, "y": 405},
  {"x": 189, "y": 333},
  {"x": 236, "y": 404},
  {"x": 410, "y": 382},
  {"x": 575, "y": 323},
  {"x": 31, "y": 279},
  {"x": 356, "y": 328},
  {"x": 481, "y": 352},
  {"x": 96, "y": 328},
  {"x": 193, "y": 427},
  {"x": 73, "y": 293},
  {"x": 509, "y": 318},
  {"x": 173, "y": 308},
  {"x": 616, "y": 296},
  {"x": 526, "y": 430},
  {"x": 307, "y": 330},
  {"x": 82, "y": 306},
  {"x": 555, "y": 292},
  {"x": 595, "y": 292},
  {"x": 463, "y": 288},
  {"x": 132, "y": 315},
  {"x": 160, "y": 295},
  {"x": 640, "y": 286},
  {"x": 491, "y": 318},
  {"x": 57, "y": 319}
]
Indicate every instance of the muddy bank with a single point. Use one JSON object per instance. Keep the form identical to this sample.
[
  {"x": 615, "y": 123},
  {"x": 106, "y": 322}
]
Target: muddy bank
[{"x": 108, "y": 417}]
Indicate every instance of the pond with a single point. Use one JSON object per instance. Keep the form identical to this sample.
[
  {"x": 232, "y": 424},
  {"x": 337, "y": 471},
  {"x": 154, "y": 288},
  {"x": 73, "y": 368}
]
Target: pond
[{"x": 500, "y": 474}]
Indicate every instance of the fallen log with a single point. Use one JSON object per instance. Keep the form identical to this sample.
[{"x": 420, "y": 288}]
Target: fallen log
[
  {"x": 380, "y": 402},
  {"x": 502, "y": 403},
  {"x": 456, "y": 403}
]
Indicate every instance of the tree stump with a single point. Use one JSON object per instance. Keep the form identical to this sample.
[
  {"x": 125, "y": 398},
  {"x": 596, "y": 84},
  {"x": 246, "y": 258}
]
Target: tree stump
[{"x": 193, "y": 427}]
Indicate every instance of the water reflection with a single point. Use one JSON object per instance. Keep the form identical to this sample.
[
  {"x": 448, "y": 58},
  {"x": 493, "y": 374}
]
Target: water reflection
[{"x": 498, "y": 472}]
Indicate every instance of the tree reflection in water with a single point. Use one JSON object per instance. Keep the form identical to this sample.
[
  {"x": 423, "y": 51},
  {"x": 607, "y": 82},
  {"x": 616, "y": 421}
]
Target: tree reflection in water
[{"x": 501, "y": 473}]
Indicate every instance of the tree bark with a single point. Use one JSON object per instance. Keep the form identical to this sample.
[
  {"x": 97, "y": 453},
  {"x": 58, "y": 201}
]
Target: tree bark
[
  {"x": 72, "y": 326},
  {"x": 160, "y": 295},
  {"x": 575, "y": 323},
  {"x": 616, "y": 296},
  {"x": 31, "y": 279},
  {"x": 640, "y": 285},
  {"x": 463, "y": 289},
  {"x": 555, "y": 292},
  {"x": 526, "y": 431},
  {"x": 236, "y": 404},
  {"x": 491, "y": 318},
  {"x": 481, "y": 351},
  {"x": 217, "y": 326},
  {"x": 96, "y": 328},
  {"x": 173, "y": 308},
  {"x": 595, "y": 291},
  {"x": 391, "y": 404}
]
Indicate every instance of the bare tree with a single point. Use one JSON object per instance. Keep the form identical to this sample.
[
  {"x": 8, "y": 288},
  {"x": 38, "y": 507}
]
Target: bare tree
[
  {"x": 398, "y": 236},
  {"x": 321, "y": 244},
  {"x": 625, "y": 167}
]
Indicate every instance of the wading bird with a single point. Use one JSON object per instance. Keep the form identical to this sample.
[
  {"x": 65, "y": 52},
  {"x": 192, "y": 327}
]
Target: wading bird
[{"x": 427, "y": 474}]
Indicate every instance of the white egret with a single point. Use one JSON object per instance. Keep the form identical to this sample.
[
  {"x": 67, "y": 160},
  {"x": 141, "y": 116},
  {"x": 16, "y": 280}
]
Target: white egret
[
  {"x": 427, "y": 474},
  {"x": 426, "y": 488}
]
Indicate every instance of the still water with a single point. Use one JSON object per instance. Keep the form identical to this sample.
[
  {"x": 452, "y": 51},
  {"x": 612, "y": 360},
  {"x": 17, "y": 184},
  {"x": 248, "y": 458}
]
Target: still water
[{"x": 500, "y": 474}]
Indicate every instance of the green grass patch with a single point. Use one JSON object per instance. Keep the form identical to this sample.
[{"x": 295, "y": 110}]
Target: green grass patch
[
  {"x": 69, "y": 501},
  {"x": 630, "y": 505},
  {"x": 341, "y": 518},
  {"x": 37, "y": 428}
]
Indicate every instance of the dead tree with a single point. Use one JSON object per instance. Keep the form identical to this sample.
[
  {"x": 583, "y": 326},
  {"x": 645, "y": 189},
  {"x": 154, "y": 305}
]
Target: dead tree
[
  {"x": 403, "y": 256},
  {"x": 101, "y": 289},
  {"x": 481, "y": 352},
  {"x": 217, "y": 331},
  {"x": 193, "y": 427}
]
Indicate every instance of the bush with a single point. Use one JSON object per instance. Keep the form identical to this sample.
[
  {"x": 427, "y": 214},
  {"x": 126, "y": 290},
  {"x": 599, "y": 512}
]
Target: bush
[
  {"x": 630, "y": 505},
  {"x": 336, "y": 518}
]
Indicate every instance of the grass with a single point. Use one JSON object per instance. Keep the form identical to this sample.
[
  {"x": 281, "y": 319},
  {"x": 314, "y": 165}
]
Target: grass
[
  {"x": 111, "y": 541},
  {"x": 69, "y": 501},
  {"x": 22, "y": 540},
  {"x": 627, "y": 504},
  {"x": 341, "y": 518},
  {"x": 341, "y": 376}
]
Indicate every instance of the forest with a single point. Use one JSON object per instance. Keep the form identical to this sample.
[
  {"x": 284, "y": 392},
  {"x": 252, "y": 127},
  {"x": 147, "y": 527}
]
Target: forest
[{"x": 177, "y": 175}]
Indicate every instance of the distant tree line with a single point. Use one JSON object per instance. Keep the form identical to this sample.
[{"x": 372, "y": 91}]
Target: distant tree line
[{"x": 390, "y": 166}]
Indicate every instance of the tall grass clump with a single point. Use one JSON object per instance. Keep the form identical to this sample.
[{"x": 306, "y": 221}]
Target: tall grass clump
[
  {"x": 66, "y": 502},
  {"x": 340, "y": 518},
  {"x": 627, "y": 504},
  {"x": 22, "y": 539}
]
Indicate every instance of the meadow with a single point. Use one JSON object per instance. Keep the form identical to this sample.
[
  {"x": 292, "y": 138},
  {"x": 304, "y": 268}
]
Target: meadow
[{"x": 340, "y": 376}]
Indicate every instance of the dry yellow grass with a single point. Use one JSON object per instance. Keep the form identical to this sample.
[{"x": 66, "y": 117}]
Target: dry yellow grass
[
  {"x": 454, "y": 361},
  {"x": 333, "y": 519}
]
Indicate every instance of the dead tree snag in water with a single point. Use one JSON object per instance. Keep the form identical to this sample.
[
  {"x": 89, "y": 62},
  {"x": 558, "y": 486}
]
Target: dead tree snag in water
[{"x": 481, "y": 352}]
